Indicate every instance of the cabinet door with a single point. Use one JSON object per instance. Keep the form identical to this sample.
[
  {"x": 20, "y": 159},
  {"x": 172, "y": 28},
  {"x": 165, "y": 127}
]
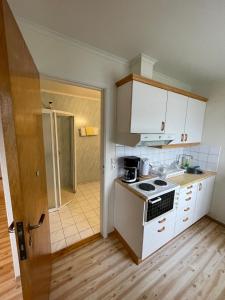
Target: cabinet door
[
  {"x": 158, "y": 232},
  {"x": 204, "y": 197},
  {"x": 176, "y": 115},
  {"x": 148, "y": 108},
  {"x": 194, "y": 120}
]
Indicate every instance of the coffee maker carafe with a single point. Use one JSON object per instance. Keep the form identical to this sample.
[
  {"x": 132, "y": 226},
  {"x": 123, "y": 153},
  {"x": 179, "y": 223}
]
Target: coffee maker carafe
[{"x": 131, "y": 169}]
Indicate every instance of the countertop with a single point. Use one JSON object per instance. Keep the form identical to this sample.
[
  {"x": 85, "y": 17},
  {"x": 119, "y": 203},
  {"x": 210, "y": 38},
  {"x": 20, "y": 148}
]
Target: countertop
[
  {"x": 182, "y": 180},
  {"x": 186, "y": 179}
]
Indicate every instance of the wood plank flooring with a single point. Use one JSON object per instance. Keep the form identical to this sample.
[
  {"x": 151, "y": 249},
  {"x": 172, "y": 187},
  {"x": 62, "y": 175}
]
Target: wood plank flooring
[
  {"x": 190, "y": 267},
  {"x": 10, "y": 289}
]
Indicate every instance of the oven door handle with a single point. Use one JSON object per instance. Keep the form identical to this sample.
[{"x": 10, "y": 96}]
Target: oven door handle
[{"x": 158, "y": 199}]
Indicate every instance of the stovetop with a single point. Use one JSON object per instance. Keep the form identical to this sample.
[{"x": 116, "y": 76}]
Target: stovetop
[{"x": 151, "y": 188}]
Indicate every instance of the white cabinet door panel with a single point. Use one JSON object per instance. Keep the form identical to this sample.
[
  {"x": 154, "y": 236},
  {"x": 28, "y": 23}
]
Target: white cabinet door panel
[
  {"x": 195, "y": 120},
  {"x": 176, "y": 115},
  {"x": 204, "y": 197},
  {"x": 158, "y": 232},
  {"x": 148, "y": 108}
]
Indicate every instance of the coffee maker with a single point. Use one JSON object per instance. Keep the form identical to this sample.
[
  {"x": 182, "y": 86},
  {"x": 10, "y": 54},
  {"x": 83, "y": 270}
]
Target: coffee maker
[{"x": 131, "y": 169}]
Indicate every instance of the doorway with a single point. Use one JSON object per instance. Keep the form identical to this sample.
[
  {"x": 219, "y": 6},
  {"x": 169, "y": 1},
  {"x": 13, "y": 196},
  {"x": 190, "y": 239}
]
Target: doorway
[{"x": 72, "y": 137}]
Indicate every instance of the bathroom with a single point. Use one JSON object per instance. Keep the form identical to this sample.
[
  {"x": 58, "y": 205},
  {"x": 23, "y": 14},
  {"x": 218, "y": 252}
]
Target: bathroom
[{"x": 72, "y": 141}]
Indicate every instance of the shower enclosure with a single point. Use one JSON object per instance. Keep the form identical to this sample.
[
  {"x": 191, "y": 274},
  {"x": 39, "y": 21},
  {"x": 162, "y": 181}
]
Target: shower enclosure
[{"x": 60, "y": 158}]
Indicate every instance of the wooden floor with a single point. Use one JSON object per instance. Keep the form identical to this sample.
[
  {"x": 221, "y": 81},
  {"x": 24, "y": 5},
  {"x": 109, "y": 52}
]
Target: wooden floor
[
  {"x": 192, "y": 266},
  {"x": 9, "y": 288}
]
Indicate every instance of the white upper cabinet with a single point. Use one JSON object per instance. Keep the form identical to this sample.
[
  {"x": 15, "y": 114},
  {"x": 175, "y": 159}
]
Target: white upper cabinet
[
  {"x": 145, "y": 106},
  {"x": 148, "y": 108},
  {"x": 194, "y": 121},
  {"x": 176, "y": 116}
]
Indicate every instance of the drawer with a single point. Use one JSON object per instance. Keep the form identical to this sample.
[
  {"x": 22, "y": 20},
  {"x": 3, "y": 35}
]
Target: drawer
[
  {"x": 189, "y": 188},
  {"x": 158, "y": 232},
  {"x": 187, "y": 197},
  {"x": 184, "y": 220}
]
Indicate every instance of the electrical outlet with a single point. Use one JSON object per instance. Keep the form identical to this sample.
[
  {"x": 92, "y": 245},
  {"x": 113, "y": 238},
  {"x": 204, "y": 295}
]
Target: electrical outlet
[{"x": 113, "y": 163}]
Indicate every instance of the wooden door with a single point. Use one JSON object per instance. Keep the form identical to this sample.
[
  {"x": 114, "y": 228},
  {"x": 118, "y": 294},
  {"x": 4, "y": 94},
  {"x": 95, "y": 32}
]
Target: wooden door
[
  {"x": 148, "y": 108},
  {"x": 21, "y": 134},
  {"x": 194, "y": 120},
  {"x": 175, "y": 116}
]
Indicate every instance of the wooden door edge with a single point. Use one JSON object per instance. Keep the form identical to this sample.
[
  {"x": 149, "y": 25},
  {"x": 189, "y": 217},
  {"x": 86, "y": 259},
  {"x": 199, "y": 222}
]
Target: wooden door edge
[{"x": 83, "y": 243}]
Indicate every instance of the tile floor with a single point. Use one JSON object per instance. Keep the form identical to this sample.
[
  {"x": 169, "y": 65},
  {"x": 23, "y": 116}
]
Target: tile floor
[{"x": 77, "y": 220}]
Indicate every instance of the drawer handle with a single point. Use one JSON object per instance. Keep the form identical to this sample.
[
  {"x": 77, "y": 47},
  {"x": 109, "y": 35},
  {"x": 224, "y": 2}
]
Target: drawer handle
[
  {"x": 187, "y": 209},
  {"x": 186, "y": 219},
  {"x": 188, "y": 199},
  {"x": 162, "y": 221},
  {"x": 189, "y": 193},
  {"x": 162, "y": 229},
  {"x": 190, "y": 187}
]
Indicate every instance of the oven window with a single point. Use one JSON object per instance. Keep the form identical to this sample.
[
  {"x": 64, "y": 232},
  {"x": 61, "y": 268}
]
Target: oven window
[{"x": 160, "y": 207}]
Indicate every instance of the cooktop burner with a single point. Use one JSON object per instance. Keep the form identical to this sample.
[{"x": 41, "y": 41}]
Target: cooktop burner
[
  {"x": 146, "y": 187},
  {"x": 160, "y": 182}
]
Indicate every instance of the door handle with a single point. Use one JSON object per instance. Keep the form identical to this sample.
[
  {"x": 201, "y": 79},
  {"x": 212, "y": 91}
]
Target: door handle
[
  {"x": 36, "y": 226},
  {"x": 11, "y": 228},
  {"x": 162, "y": 126}
]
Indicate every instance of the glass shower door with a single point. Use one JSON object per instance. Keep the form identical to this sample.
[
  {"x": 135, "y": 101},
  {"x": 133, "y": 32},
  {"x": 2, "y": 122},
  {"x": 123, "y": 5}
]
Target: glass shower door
[
  {"x": 49, "y": 149},
  {"x": 66, "y": 156}
]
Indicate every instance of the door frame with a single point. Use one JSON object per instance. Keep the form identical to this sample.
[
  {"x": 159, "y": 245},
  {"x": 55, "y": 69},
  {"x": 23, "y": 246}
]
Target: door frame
[{"x": 103, "y": 203}]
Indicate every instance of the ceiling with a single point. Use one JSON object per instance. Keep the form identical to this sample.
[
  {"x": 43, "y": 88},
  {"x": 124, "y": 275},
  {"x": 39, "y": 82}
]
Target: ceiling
[{"x": 187, "y": 37}]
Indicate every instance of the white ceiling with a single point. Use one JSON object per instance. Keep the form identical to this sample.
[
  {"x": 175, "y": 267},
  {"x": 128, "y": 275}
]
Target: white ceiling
[{"x": 187, "y": 37}]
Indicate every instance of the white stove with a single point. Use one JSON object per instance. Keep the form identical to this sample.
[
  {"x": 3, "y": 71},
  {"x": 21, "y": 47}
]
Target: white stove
[{"x": 151, "y": 188}]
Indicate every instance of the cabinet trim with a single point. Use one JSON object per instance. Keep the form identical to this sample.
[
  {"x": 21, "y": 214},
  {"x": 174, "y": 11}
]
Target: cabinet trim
[
  {"x": 181, "y": 145},
  {"x": 160, "y": 85}
]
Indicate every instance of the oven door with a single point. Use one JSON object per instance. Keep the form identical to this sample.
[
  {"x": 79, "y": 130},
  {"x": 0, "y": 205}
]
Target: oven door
[{"x": 159, "y": 205}]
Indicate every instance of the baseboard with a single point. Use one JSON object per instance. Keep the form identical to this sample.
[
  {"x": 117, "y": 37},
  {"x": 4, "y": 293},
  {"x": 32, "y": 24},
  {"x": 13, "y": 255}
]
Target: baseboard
[
  {"x": 220, "y": 223},
  {"x": 134, "y": 257},
  {"x": 65, "y": 251}
]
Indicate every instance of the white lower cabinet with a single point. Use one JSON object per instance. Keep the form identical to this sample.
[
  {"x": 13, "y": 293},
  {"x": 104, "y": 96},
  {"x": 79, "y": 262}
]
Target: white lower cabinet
[
  {"x": 185, "y": 208},
  {"x": 193, "y": 204},
  {"x": 158, "y": 232},
  {"x": 204, "y": 197}
]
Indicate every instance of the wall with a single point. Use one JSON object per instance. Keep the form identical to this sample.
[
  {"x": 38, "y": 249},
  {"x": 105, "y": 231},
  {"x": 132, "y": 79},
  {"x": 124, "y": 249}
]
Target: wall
[
  {"x": 87, "y": 113},
  {"x": 63, "y": 58},
  {"x": 214, "y": 131},
  {"x": 205, "y": 156}
]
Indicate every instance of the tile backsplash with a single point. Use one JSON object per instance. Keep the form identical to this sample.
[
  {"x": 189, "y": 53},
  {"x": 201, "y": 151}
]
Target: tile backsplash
[{"x": 205, "y": 156}]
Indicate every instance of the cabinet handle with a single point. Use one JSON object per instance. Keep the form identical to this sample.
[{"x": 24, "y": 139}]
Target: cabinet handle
[
  {"x": 162, "y": 229},
  {"x": 200, "y": 187},
  {"x": 162, "y": 126},
  {"x": 187, "y": 209},
  {"x": 186, "y": 137},
  {"x": 189, "y": 193},
  {"x": 162, "y": 221},
  {"x": 190, "y": 187},
  {"x": 188, "y": 199},
  {"x": 182, "y": 137},
  {"x": 186, "y": 219}
]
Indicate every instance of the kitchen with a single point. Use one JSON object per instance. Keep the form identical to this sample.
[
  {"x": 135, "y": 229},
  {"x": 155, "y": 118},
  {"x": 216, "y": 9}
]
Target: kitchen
[
  {"x": 162, "y": 164},
  {"x": 166, "y": 176}
]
